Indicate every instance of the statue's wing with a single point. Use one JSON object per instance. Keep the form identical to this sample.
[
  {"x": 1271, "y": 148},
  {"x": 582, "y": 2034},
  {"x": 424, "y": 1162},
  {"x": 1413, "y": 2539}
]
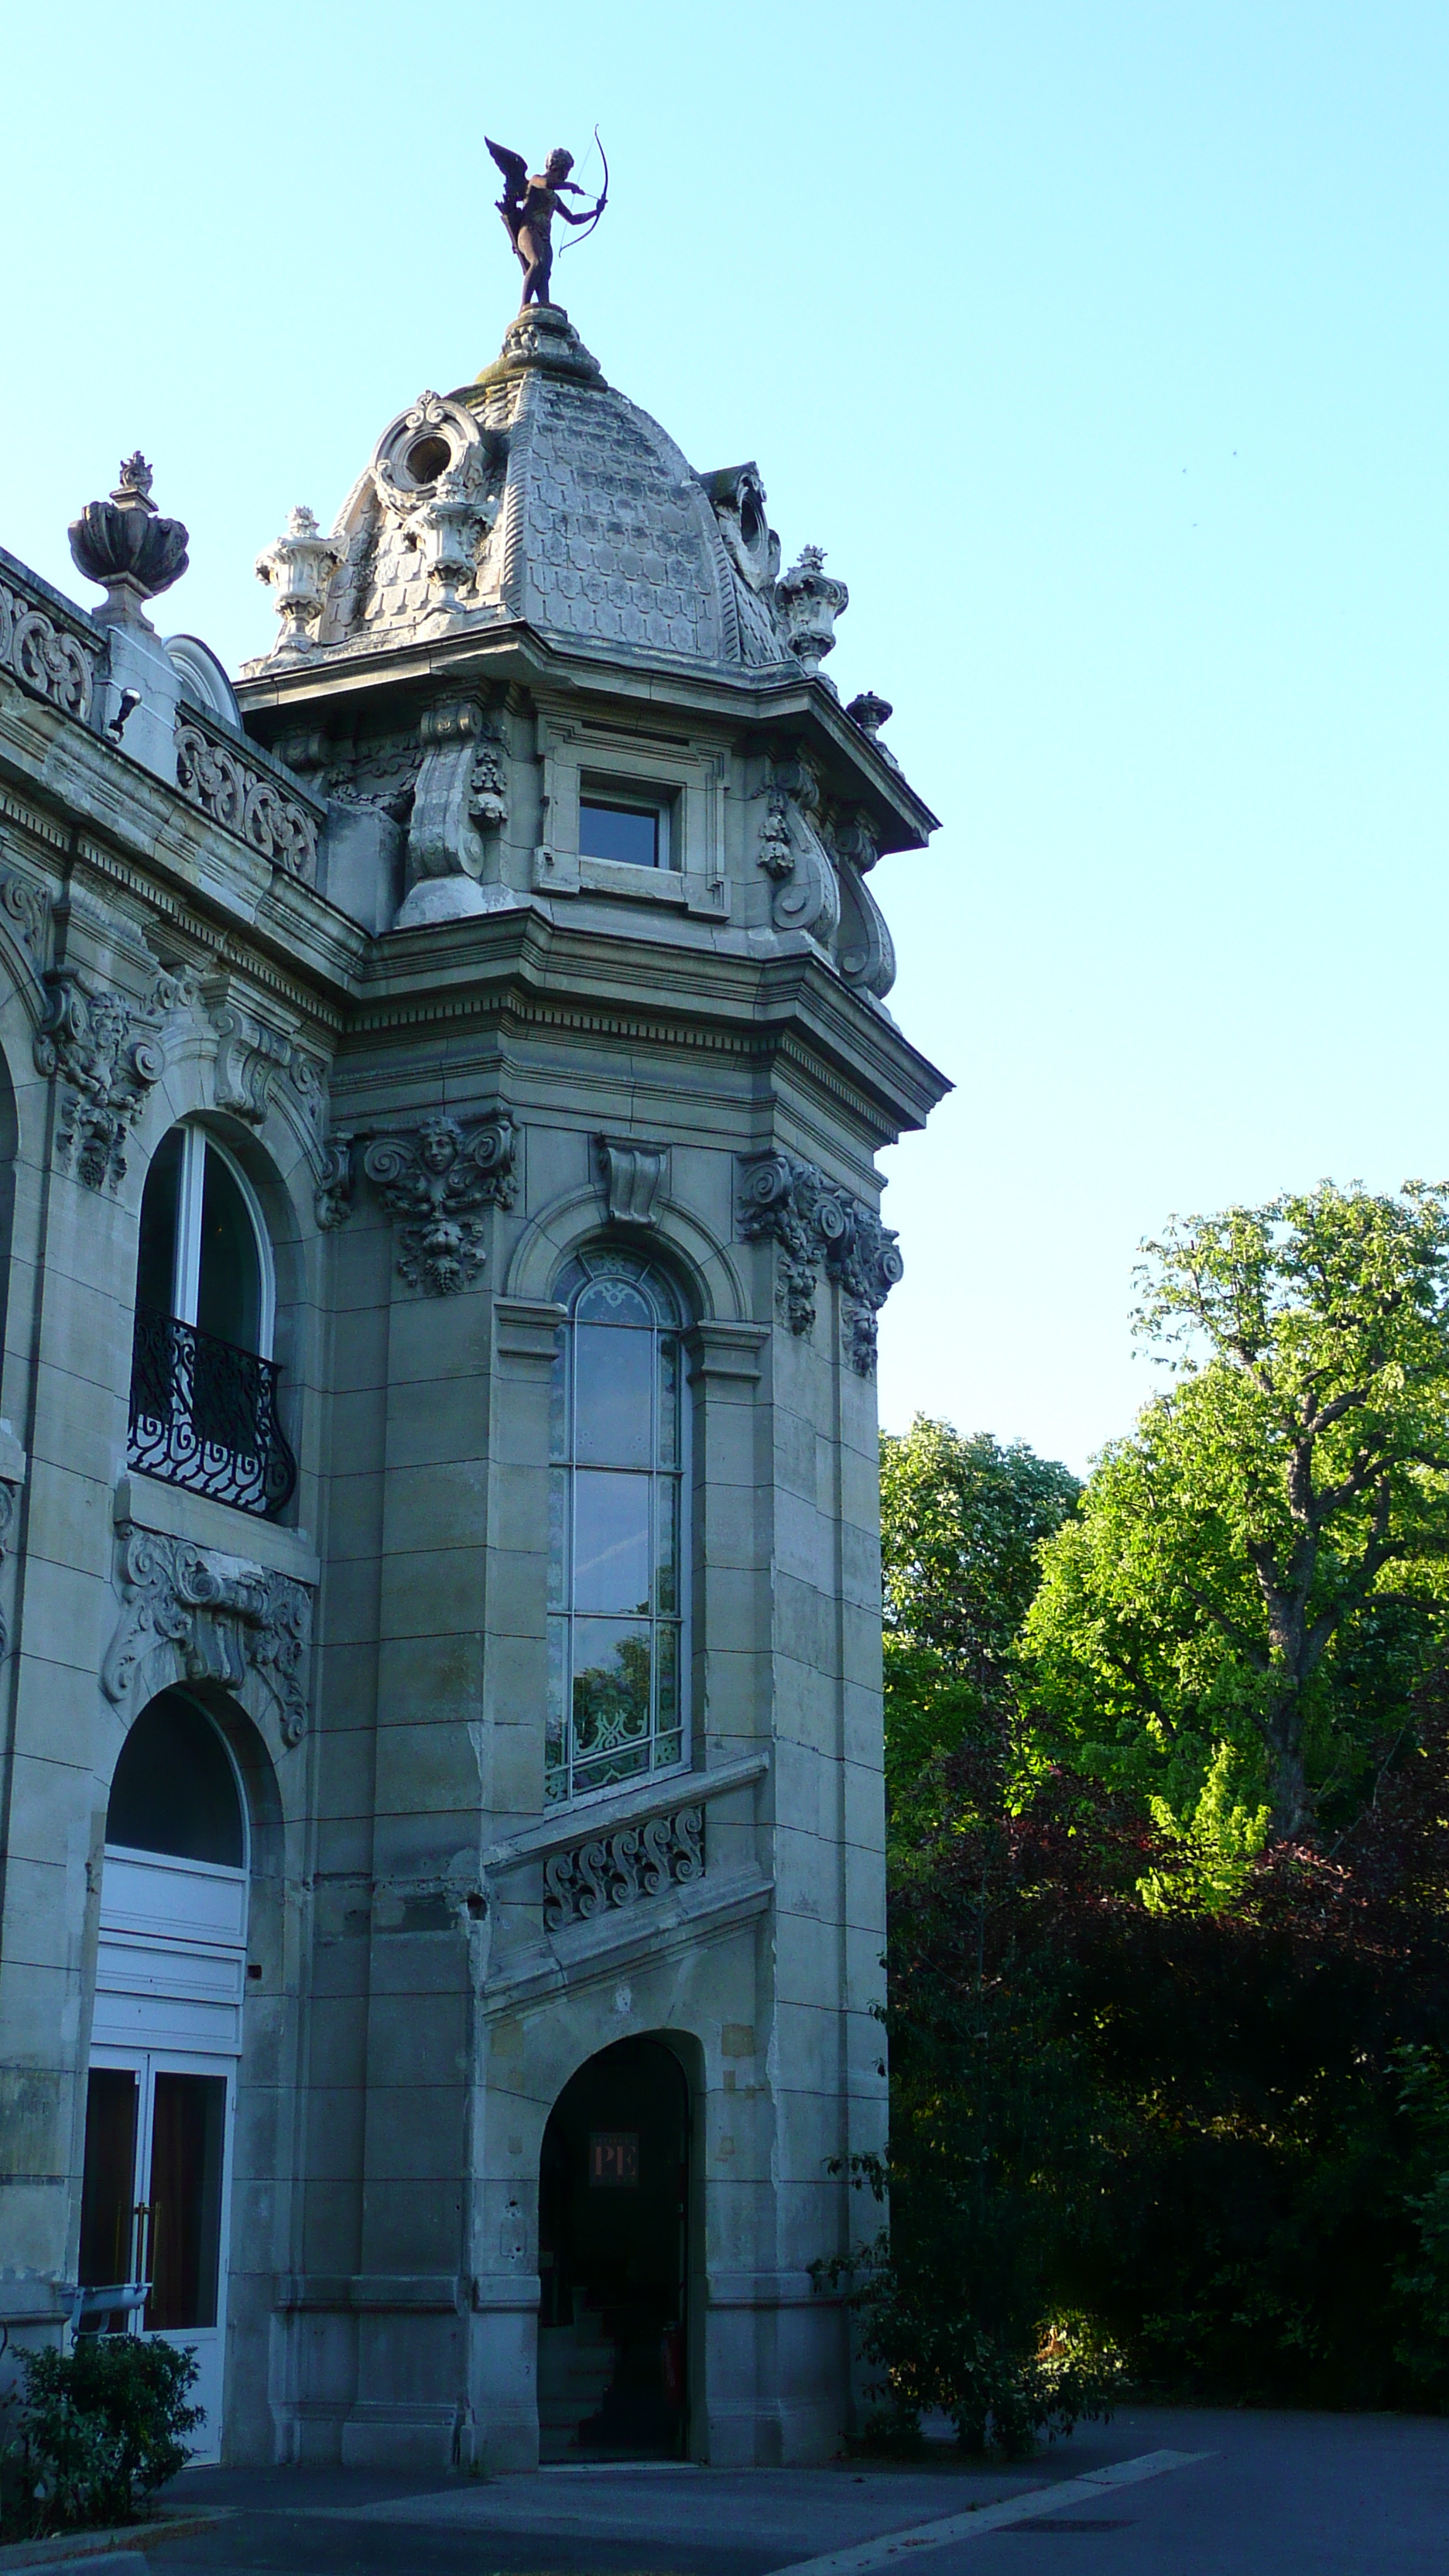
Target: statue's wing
[{"x": 513, "y": 166}]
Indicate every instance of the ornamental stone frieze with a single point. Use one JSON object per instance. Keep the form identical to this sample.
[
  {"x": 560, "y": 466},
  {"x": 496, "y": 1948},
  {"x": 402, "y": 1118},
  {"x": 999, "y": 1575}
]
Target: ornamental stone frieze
[
  {"x": 237, "y": 792},
  {"x": 220, "y": 1617},
  {"x": 435, "y": 1179},
  {"x": 49, "y": 657},
  {"x": 622, "y": 1868},
  {"x": 105, "y": 1056},
  {"x": 817, "y": 1226}
]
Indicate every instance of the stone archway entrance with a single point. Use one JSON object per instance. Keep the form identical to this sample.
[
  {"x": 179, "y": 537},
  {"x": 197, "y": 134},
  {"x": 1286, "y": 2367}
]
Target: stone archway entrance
[{"x": 613, "y": 2193}]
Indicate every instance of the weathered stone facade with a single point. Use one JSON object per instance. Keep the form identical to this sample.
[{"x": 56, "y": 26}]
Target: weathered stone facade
[{"x": 344, "y": 927}]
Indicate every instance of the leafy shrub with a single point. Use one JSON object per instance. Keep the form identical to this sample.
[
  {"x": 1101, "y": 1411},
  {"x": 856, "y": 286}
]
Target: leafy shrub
[
  {"x": 1215, "y": 2124},
  {"x": 101, "y": 2429}
]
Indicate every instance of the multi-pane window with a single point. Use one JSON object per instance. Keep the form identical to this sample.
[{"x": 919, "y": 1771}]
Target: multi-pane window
[{"x": 618, "y": 1544}]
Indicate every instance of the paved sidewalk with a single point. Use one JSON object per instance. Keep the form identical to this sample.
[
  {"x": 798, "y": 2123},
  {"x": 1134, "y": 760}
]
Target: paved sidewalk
[{"x": 1273, "y": 2495}]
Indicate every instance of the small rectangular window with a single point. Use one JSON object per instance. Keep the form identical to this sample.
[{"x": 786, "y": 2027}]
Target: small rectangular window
[{"x": 635, "y": 836}]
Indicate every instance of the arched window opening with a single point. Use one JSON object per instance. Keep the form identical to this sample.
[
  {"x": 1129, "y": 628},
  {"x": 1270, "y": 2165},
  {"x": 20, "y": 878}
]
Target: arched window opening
[
  {"x": 203, "y": 1383},
  {"x": 618, "y": 1536},
  {"x": 174, "y": 1788}
]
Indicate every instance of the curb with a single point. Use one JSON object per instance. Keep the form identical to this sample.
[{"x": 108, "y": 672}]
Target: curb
[{"x": 124, "y": 2544}]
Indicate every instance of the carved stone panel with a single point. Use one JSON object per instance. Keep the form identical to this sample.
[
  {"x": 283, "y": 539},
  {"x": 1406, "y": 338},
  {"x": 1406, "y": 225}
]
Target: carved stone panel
[
  {"x": 105, "y": 1056},
  {"x": 434, "y": 1179},
  {"x": 48, "y": 658},
  {"x": 216, "y": 777},
  {"x": 623, "y": 1867},
  {"x": 221, "y": 1617}
]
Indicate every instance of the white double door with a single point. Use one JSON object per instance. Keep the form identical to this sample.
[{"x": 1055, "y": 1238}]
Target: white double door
[
  {"x": 160, "y": 2105},
  {"x": 155, "y": 2202}
]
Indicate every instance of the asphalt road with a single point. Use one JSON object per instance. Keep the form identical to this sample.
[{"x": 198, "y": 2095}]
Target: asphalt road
[{"x": 1156, "y": 2493}]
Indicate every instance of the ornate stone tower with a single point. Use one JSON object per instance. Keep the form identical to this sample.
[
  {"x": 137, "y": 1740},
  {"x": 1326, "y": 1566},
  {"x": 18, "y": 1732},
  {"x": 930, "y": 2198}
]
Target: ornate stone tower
[{"x": 565, "y": 1835}]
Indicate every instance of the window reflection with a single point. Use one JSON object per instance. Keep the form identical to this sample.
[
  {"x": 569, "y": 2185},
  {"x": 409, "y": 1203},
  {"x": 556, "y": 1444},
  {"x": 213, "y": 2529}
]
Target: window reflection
[{"x": 616, "y": 1594}]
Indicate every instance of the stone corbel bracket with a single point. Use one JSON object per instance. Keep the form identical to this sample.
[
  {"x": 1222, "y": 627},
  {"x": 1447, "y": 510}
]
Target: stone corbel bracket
[
  {"x": 461, "y": 794},
  {"x": 864, "y": 950},
  {"x": 793, "y": 855},
  {"x": 633, "y": 1178},
  {"x": 435, "y": 1179},
  {"x": 818, "y": 1226},
  {"x": 210, "y": 1617}
]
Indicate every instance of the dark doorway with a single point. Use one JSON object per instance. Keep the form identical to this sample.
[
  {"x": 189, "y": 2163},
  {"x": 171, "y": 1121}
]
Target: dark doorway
[{"x": 613, "y": 2197}]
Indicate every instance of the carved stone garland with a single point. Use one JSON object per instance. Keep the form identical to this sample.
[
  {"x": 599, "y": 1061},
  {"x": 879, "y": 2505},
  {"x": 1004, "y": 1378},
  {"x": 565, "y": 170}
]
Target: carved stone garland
[
  {"x": 222, "y": 1618},
  {"x": 106, "y": 1057},
  {"x": 435, "y": 1179},
  {"x": 619, "y": 1869},
  {"x": 44, "y": 656},
  {"x": 818, "y": 1226}
]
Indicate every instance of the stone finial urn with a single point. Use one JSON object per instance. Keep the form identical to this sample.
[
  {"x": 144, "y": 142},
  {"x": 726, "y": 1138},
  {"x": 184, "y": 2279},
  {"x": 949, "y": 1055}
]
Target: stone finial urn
[
  {"x": 810, "y": 600},
  {"x": 298, "y": 566},
  {"x": 870, "y": 713},
  {"x": 126, "y": 547}
]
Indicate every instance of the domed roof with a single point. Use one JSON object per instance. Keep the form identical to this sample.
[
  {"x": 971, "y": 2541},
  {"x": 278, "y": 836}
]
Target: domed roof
[{"x": 541, "y": 493}]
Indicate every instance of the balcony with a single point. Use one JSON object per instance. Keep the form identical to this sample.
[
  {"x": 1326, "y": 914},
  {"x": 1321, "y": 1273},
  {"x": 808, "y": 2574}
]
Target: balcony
[{"x": 204, "y": 1415}]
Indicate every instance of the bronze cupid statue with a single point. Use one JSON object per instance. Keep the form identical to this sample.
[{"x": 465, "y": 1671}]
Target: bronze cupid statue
[{"x": 528, "y": 206}]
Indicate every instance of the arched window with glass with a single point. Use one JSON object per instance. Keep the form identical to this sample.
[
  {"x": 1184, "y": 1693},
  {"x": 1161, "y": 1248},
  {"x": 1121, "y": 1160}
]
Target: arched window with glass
[
  {"x": 618, "y": 1646},
  {"x": 203, "y": 1381}
]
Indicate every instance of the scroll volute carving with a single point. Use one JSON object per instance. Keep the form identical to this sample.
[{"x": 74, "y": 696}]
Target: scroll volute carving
[
  {"x": 864, "y": 950},
  {"x": 793, "y": 855}
]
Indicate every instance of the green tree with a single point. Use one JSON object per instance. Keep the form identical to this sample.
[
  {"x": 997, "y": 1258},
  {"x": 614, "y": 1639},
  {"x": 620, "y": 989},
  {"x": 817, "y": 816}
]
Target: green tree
[
  {"x": 1254, "y": 1581},
  {"x": 962, "y": 1521}
]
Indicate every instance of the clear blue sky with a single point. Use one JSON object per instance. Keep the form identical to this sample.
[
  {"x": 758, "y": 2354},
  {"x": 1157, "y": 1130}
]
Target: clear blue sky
[{"x": 1103, "y": 347}]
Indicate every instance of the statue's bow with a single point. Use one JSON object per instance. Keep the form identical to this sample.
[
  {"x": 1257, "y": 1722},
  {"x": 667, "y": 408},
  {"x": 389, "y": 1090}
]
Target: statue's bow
[{"x": 574, "y": 239}]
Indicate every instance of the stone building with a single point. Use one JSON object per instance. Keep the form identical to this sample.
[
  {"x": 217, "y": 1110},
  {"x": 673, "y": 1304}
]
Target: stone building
[{"x": 442, "y": 1822}]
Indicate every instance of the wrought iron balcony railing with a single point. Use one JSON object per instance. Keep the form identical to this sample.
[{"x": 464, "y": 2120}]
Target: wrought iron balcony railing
[{"x": 204, "y": 1415}]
